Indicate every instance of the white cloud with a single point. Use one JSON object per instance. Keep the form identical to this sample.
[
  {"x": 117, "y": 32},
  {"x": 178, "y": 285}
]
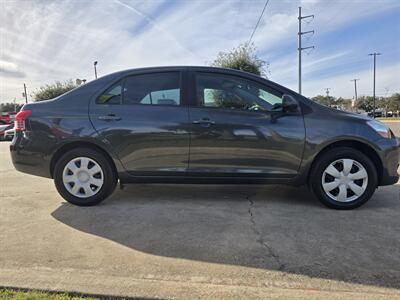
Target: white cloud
[
  {"x": 10, "y": 69},
  {"x": 387, "y": 82},
  {"x": 48, "y": 41}
]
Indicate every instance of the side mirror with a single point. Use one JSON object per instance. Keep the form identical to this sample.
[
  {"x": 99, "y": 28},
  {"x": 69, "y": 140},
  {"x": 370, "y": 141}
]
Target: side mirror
[{"x": 289, "y": 104}]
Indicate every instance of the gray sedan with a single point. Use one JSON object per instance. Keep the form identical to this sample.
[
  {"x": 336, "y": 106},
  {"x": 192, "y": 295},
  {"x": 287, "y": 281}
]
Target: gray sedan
[{"x": 200, "y": 125}]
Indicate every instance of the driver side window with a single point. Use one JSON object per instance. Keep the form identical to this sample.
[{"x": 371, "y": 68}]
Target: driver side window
[{"x": 230, "y": 92}]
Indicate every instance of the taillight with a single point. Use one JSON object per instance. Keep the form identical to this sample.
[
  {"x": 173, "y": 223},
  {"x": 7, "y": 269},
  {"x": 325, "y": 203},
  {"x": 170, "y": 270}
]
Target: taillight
[{"x": 19, "y": 121}]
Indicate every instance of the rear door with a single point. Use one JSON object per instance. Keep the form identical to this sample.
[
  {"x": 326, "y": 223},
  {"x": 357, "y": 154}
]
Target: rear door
[
  {"x": 239, "y": 129},
  {"x": 145, "y": 119}
]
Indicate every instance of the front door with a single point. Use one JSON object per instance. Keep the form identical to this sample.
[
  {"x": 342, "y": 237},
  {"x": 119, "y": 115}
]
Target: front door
[
  {"x": 145, "y": 121},
  {"x": 239, "y": 129}
]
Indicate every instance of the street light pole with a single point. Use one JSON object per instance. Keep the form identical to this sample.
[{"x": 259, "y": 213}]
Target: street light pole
[
  {"x": 374, "y": 55},
  {"x": 327, "y": 92},
  {"x": 95, "y": 70},
  {"x": 26, "y": 96},
  {"x": 355, "y": 90}
]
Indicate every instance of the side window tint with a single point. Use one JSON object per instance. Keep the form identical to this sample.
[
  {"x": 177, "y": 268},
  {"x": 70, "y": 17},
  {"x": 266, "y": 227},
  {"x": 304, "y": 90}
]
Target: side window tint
[
  {"x": 112, "y": 95},
  {"x": 230, "y": 92},
  {"x": 153, "y": 89}
]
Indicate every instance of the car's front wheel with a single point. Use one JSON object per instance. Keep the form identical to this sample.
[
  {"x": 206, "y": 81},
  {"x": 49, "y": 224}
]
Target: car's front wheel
[
  {"x": 84, "y": 177},
  {"x": 343, "y": 178}
]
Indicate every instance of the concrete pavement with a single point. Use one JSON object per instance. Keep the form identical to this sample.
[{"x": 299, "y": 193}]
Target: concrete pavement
[
  {"x": 395, "y": 126},
  {"x": 197, "y": 241}
]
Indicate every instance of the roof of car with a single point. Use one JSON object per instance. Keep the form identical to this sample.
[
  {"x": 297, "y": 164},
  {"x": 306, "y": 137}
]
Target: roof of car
[{"x": 203, "y": 68}]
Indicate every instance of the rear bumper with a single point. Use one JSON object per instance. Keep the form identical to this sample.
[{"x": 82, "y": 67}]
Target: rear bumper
[{"x": 25, "y": 159}]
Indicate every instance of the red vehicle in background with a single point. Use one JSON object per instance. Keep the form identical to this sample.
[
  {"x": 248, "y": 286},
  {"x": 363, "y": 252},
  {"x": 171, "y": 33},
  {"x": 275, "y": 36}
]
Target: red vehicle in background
[{"x": 7, "y": 117}]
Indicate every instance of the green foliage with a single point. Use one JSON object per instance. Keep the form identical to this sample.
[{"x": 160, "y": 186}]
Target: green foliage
[
  {"x": 392, "y": 103},
  {"x": 344, "y": 103},
  {"x": 324, "y": 100},
  {"x": 9, "y": 107},
  {"x": 333, "y": 102},
  {"x": 50, "y": 91},
  {"x": 242, "y": 58},
  {"x": 38, "y": 295},
  {"x": 366, "y": 103}
]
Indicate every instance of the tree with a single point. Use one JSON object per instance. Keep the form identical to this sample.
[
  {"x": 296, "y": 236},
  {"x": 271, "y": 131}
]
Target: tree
[
  {"x": 9, "y": 106},
  {"x": 324, "y": 100},
  {"x": 242, "y": 58},
  {"x": 365, "y": 103},
  {"x": 394, "y": 102},
  {"x": 345, "y": 104},
  {"x": 50, "y": 91}
]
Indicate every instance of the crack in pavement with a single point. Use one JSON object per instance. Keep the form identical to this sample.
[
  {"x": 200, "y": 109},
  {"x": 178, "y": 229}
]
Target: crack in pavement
[{"x": 260, "y": 240}]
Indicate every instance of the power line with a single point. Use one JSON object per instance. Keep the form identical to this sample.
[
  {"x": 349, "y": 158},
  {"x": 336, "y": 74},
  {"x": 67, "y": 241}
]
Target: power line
[
  {"x": 300, "y": 48},
  {"x": 258, "y": 22}
]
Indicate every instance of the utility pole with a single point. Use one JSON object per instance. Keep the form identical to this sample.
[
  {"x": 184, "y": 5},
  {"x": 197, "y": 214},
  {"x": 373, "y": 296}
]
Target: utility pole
[
  {"x": 374, "y": 55},
  {"x": 300, "y": 48},
  {"x": 26, "y": 96},
  {"x": 95, "y": 70},
  {"x": 355, "y": 90}
]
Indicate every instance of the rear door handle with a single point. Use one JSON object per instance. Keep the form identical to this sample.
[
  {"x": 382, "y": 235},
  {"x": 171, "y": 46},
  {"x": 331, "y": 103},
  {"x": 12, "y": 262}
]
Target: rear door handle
[{"x": 110, "y": 117}]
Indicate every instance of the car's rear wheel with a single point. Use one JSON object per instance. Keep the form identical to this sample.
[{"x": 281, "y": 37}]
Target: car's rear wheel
[
  {"x": 343, "y": 178},
  {"x": 84, "y": 177}
]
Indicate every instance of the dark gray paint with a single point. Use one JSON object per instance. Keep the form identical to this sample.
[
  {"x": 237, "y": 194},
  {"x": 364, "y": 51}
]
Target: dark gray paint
[
  {"x": 246, "y": 143},
  {"x": 161, "y": 143}
]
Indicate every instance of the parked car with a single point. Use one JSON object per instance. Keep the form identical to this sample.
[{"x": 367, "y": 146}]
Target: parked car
[
  {"x": 9, "y": 134},
  {"x": 3, "y": 129},
  {"x": 7, "y": 117},
  {"x": 200, "y": 125},
  {"x": 378, "y": 114}
]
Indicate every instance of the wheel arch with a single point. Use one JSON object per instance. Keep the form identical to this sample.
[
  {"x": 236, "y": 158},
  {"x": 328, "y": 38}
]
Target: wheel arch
[
  {"x": 355, "y": 144},
  {"x": 81, "y": 144}
]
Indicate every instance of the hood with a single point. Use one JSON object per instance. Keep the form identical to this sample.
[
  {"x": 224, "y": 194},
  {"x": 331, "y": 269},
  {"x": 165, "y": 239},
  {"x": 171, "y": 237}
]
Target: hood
[{"x": 342, "y": 113}]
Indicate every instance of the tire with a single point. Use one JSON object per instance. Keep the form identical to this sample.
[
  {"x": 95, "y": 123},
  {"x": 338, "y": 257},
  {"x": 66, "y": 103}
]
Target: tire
[
  {"x": 321, "y": 180},
  {"x": 89, "y": 175}
]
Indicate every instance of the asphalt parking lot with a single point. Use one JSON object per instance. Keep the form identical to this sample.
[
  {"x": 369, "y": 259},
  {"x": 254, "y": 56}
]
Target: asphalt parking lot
[{"x": 192, "y": 241}]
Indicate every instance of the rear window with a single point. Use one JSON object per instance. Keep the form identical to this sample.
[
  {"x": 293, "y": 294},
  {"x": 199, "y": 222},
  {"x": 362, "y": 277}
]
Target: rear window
[
  {"x": 112, "y": 95},
  {"x": 153, "y": 89}
]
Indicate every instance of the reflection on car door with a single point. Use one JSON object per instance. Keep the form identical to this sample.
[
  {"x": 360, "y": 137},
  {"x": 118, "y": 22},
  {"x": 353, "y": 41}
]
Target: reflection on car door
[
  {"x": 238, "y": 129},
  {"x": 145, "y": 121}
]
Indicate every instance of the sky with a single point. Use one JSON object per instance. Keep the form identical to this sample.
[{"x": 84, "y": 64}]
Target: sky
[{"x": 45, "y": 41}]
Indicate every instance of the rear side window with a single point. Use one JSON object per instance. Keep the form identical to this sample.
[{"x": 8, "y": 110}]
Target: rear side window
[
  {"x": 112, "y": 95},
  {"x": 153, "y": 89}
]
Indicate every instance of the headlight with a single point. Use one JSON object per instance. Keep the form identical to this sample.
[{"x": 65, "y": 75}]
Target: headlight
[{"x": 380, "y": 128}]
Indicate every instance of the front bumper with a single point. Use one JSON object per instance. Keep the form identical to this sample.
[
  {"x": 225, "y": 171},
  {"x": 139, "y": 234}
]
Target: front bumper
[{"x": 390, "y": 157}]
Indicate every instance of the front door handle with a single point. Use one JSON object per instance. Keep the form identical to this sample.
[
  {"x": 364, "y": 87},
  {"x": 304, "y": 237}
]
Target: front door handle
[
  {"x": 110, "y": 117},
  {"x": 204, "y": 122}
]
